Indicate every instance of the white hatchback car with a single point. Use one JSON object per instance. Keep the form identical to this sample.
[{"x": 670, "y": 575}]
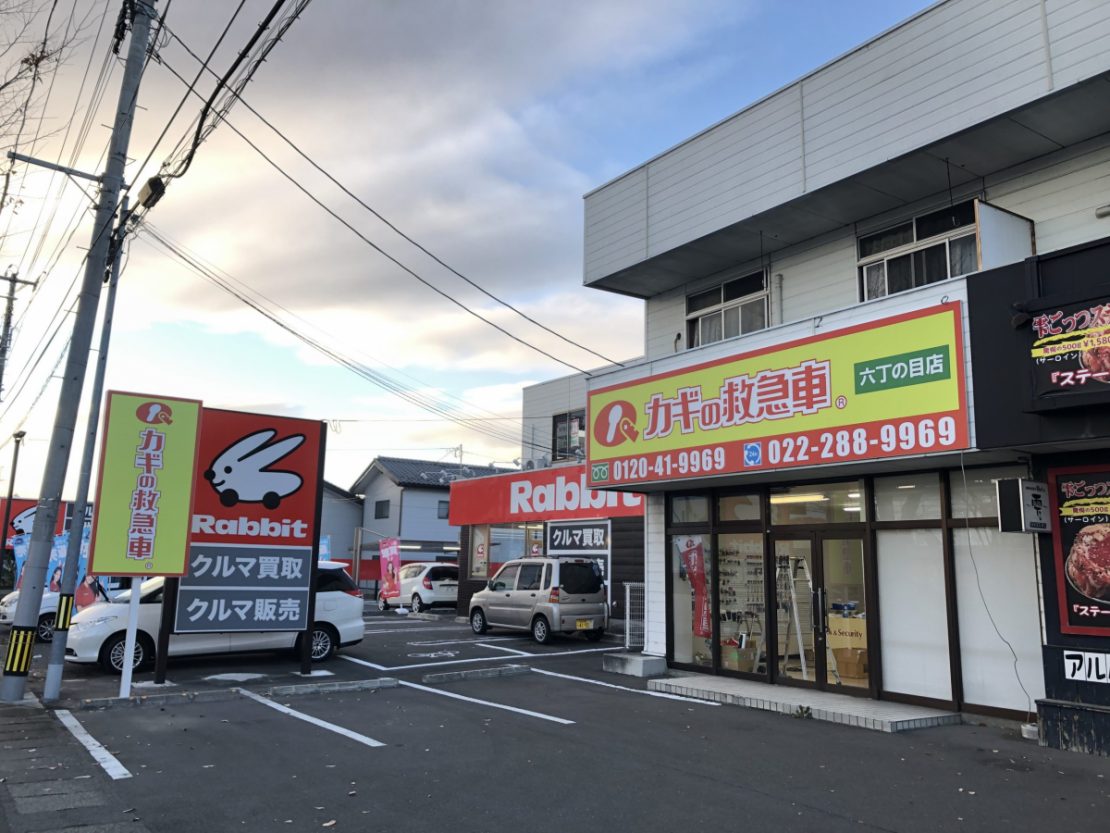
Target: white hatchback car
[
  {"x": 426, "y": 583},
  {"x": 48, "y": 610},
  {"x": 97, "y": 633}
]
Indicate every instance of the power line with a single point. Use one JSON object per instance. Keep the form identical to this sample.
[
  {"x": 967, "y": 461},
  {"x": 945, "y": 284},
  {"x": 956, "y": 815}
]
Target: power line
[
  {"x": 413, "y": 397},
  {"x": 392, "y": 226}
]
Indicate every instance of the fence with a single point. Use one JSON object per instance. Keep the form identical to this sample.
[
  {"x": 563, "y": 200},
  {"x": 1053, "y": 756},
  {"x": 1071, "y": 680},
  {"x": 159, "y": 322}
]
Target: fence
[{"x": 633, "y": 615}]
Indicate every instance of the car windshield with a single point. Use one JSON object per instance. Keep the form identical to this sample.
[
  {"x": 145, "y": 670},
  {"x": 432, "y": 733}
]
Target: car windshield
[
  {"x": 125, "y": 596},
  {"x": 576, "y": 577}
]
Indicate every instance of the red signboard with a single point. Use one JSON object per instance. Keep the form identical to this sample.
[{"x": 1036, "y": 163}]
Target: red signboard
[
  {"x": 541, "y": 495},
  {"x": 1080, "y": 499},
  {"x": 23, "y": 516},
  {"x": 256, "y": 479}
]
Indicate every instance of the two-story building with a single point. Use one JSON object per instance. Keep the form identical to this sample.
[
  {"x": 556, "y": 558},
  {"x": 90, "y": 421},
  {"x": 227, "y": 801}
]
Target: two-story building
[{"x": 863, "y": 295}]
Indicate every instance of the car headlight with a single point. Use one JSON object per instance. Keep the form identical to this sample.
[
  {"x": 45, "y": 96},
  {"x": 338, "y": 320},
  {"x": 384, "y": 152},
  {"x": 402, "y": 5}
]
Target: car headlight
[{"x": 91, "y": 623}]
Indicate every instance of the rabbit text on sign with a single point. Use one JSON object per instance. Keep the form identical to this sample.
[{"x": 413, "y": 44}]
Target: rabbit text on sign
[{"x": 261, "y": 528}]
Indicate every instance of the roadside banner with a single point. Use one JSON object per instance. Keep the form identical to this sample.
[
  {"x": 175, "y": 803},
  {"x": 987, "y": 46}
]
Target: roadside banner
[
  {"x": 390, "y": 558},
  {"x": 143, "y": 495},
  {"x": 255, "y": 524}
]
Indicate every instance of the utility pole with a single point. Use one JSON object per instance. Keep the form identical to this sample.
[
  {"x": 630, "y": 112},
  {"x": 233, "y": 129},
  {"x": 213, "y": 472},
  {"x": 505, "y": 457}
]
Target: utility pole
[
  {"x": 6, "y": 335},
  {"x": 17, "y": 658},
  {"x": 56, "y": 663}
]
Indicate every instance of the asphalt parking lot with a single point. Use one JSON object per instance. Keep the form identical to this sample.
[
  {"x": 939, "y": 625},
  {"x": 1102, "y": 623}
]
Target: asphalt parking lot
[{"x": 556, "y": 745}]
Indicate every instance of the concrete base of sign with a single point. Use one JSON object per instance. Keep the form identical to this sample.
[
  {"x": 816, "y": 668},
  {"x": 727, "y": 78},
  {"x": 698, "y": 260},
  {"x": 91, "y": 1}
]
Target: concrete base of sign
[{"x": 634, "y": 665}]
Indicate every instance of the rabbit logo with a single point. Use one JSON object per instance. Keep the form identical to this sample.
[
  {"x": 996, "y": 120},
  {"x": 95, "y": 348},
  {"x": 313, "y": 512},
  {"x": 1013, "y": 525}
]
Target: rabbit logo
[
  {"x": 241, "y": 474},
  {"x": 24, "y": 522}
]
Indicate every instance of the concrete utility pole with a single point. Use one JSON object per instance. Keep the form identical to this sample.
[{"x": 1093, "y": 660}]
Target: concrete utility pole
[
  {"x": 62, "y": 618},
  {"x": 6, "y": 335},
  {"x": 17, "y": 659}
]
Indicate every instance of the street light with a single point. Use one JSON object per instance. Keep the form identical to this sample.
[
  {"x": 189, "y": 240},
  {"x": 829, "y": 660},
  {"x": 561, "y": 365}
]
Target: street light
[{"x": 18, "y": 437}]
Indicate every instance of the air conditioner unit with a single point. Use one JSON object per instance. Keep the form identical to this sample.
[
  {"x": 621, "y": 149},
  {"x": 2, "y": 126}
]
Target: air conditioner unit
[{"x": 529, "y": 465}]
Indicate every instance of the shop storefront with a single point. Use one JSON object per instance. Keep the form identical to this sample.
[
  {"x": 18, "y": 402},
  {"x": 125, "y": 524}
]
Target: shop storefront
[
  {"x": 546, "y": 512},
  {"x": 1040, "y": 336},
  {"x": 821, "y": 514}
]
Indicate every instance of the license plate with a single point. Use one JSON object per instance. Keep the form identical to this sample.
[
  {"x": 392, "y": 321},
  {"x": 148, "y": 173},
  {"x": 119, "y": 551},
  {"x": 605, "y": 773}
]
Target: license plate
[{"x": 583, "y": 624}]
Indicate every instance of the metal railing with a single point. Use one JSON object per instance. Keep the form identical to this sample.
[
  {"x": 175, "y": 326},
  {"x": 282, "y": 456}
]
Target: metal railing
[{"x": 634, "y": 615}]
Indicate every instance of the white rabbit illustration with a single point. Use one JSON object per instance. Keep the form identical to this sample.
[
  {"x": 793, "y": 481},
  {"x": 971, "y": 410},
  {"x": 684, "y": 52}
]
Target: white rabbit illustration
[
  {"x": 240, "y": 472},
  {"x": 24, "y": 522}
]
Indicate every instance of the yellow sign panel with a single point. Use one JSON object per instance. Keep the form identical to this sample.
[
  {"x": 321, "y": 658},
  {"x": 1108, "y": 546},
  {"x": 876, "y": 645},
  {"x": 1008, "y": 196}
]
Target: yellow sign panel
[
  {"x": 145, "y": 491},
  {"x": 891, "y": 387}
]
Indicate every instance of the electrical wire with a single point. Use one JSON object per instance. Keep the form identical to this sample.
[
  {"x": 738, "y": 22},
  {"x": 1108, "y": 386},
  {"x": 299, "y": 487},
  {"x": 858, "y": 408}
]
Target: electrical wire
[
  {"x": 304, "y": 190},
  {"x": 392, "y": 226},
  {"x": 380, "y": 380}
]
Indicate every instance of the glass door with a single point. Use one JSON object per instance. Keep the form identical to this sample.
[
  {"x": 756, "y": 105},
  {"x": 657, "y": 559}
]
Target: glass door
[
  {"x": 821, "y": 611},
  {"x": 843, "y": 600},
  {"x": 799, "y": 639}
]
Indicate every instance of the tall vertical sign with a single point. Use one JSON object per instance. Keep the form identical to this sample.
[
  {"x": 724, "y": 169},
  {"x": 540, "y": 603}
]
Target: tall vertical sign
[
  {"x": 144, "y": 492},
  {"x": 255, "y": 528}
]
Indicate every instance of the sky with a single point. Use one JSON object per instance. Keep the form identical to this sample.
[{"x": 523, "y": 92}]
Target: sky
[{"x": 474, "y": 127}]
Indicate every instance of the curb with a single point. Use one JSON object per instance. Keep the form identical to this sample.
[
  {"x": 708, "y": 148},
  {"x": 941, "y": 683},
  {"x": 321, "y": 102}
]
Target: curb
[
  {"x": 337, "y": 685},
  {"x": 185, "y": 697},
  {"x": 476, "y": 674},
  {"x": 168, "y": 699}
]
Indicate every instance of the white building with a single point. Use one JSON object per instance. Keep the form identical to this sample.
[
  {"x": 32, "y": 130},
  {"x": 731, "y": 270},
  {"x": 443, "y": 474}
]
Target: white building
[{"x": 809, "y": 419}]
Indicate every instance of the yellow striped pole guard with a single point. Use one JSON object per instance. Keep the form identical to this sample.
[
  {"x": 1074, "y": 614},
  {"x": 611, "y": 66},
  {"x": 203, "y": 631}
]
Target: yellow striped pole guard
[
  {"x": 21, "y": 645},
  {"x": 65, "y": 612}
]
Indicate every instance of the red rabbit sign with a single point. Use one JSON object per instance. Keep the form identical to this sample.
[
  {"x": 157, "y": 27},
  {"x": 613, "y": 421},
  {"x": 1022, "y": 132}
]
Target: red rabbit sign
[{"x": 255, "y": 524}]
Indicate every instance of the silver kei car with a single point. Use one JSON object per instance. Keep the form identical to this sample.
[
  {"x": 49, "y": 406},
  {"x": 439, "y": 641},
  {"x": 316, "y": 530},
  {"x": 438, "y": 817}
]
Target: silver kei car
[{"x": 544, "y": 596}]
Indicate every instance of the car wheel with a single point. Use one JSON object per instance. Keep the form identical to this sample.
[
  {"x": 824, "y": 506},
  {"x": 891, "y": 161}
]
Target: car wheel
[
  {"x": 417, "y": 603},
  {"x": 383, "y": 605},
  {"x": 478, "y": 621},
  {"x": 541, "y": 631},
  {"x": 45, "y": 631},
  {"x": 595, "y": 635},
  {"x": 325, "y": 642},
  {"x": 111, "y": 655}
]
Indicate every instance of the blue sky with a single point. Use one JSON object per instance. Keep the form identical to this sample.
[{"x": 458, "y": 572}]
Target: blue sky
[{"x": 475, "y": 127}]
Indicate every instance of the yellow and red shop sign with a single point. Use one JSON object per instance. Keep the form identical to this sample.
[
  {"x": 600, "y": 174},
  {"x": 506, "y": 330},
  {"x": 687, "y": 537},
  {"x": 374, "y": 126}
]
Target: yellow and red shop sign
[{"x": 888, "y": 388}]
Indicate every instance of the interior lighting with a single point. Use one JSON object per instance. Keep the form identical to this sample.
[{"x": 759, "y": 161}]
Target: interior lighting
[{"x": 798, "y": 498}]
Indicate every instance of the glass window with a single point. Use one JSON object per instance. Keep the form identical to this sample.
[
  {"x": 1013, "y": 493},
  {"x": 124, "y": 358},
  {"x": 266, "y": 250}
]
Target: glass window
[
  {"x": 742, "y": 287},
  {"x": 753, "y": 316},
  {"x": 732, "y": 322},
  {"x": 443, "y": 510},
  {"x": 977, "y": 499},
  {"x": 963, "y": 255},
  {"x": 703, "y": 300},
  {"x": 914, "y": 632},
  {"x": 568, "y": 434},
  {"x": 742, "y": 617},
  {"x": 739, "y": 508},
  {"x": 899, "y": 274},
  {"x": 710, "y": 326},
  {"x": 826, "y": 503},
  {"x": 692, "y": 599},
  {"x": 874, "y": 280},
  {"x": 930, "y": 265},
  {"x": 479, "y": 552},
  {"x": 530, "y": 577},
  {"x": 381, "y": 509},
  {"x": 890, "y": 238},
  {"x": 907, "y": 497},
  {"x": 579, "y": 578},
  {"x": 945, "y": 220},
  {"x": 505, "y": 578},
  {"x": 996, "y": 590},
  {"x": 689, "y": 509}
]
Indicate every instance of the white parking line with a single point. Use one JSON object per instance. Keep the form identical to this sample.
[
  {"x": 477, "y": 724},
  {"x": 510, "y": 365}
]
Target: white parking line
[
  {"x": 315, "y": 721},
  {"x": 472, "y": 641},
  {"x": 662, "y": 694},
  {"x": 102, "y": 756},
  {"x": 492, "y": 705},
  {"x": 462, "y": 661},
  {"x": 376, "y": 631},
  {"x": 503, "y": 648}
]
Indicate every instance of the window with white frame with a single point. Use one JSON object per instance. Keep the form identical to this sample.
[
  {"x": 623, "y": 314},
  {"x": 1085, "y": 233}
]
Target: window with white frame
[
  {"x": 734, "y": 308},
  {"x": 929, "y": 248}
]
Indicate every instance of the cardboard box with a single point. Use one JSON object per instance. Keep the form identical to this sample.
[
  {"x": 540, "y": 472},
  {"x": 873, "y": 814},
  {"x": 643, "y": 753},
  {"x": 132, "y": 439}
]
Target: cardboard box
[{"x": 851, "y": 662}]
